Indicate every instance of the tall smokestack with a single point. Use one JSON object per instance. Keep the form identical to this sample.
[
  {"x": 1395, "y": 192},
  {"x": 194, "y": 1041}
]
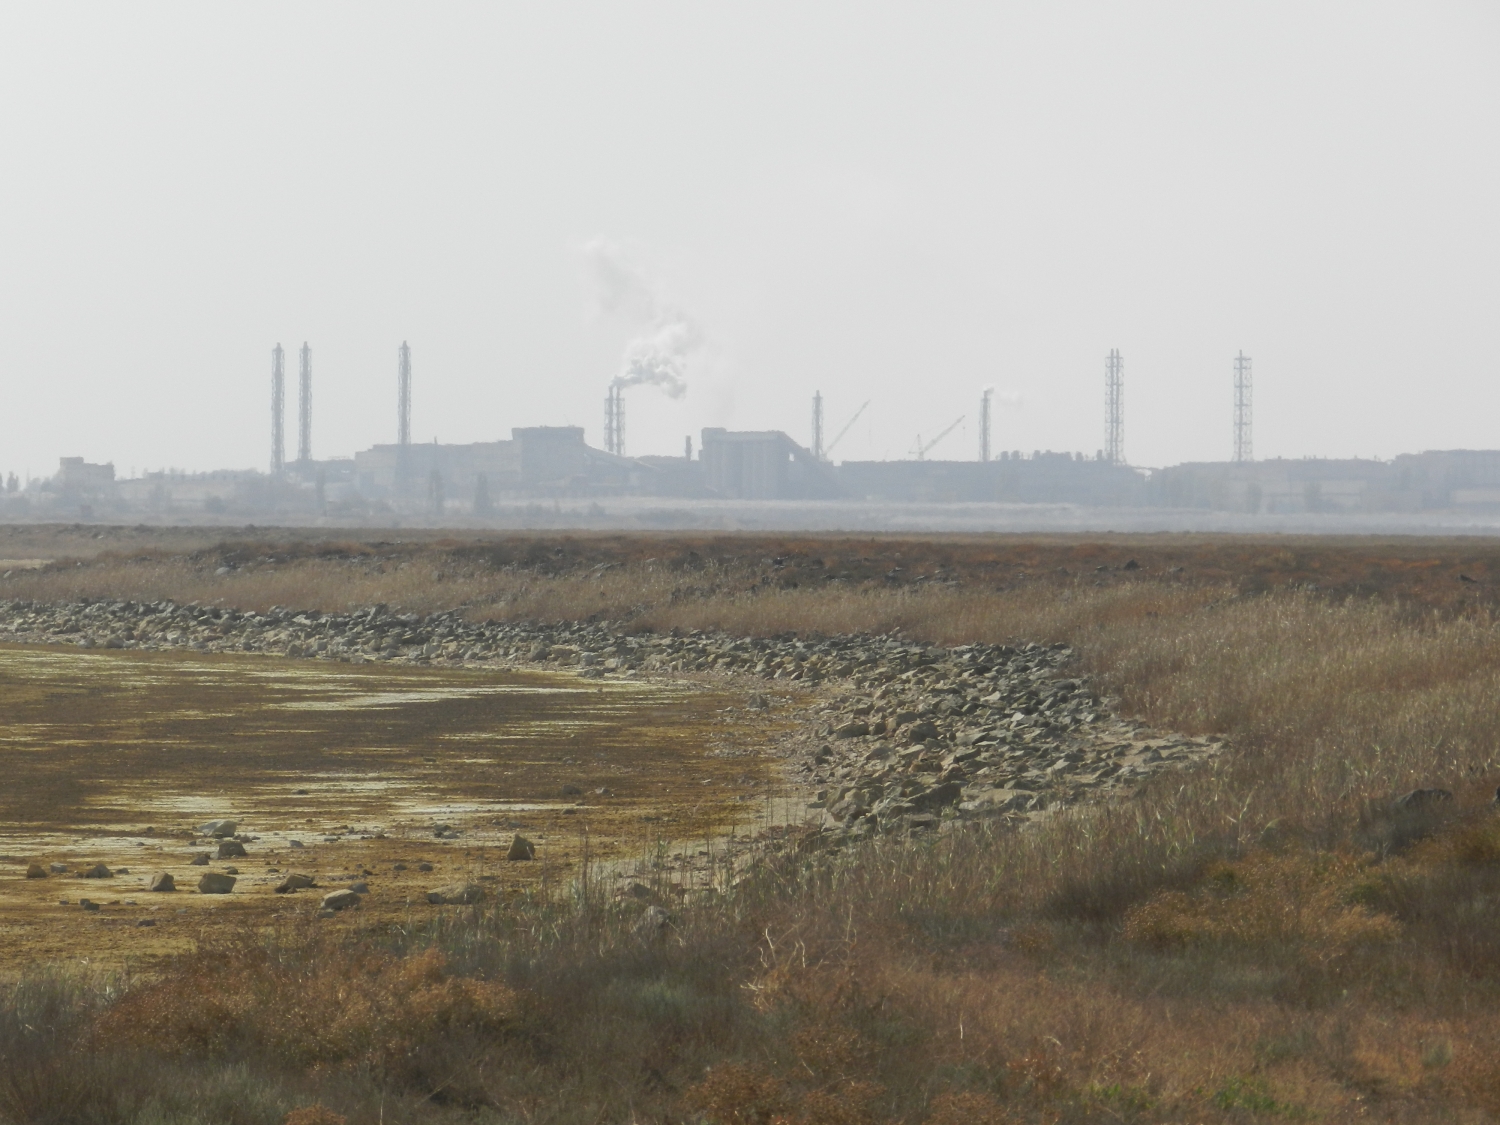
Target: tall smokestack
[
  {"x": 1244, "y": 393},
  {"x": 1114, "y": 408},
  {"x": 614, "y": 420},
  {"x": 278, "y": 411},
  {"x": 304, "y": 406},
  {"x": 984, "y": 423},
  {"x": 403, "y": 397},
  {"x": 817, "y": 426}
]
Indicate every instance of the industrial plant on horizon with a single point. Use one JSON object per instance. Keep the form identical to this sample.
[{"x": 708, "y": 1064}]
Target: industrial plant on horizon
[{"x": 476, "y": 481}]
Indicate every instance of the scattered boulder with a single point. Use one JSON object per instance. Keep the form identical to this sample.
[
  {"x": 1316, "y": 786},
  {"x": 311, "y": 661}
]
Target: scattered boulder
[
  {"x": 89, "y": 905},
  {"x": 58, "y": 868},
  {"x": 456, "y": 894},
  {"x": 295, "y": 881},
  {"x": 97, "y": 871},
  {"x": 163, "y": 881},
  {"x": 218, "y": 829},
  {"x": 938, "y": 796},
  {"x": 199, "y": 860},
  {"x": 231, "y": 849},
  {"x": 923, "y": 731},
  {"x": 36, "y": 871},
  {"x": 521, "y": 848},
  {"x": 340, "y": 899},
  {"x": 145, "y": 923},
  {"x": 215, "y": 883}
]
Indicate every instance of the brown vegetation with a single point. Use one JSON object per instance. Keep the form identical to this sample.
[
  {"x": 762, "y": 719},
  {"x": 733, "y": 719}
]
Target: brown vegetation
[{"x": 1263, "y": 938}]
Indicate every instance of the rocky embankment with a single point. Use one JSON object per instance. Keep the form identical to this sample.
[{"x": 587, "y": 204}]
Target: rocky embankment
[{"x": 899, "y": 736}]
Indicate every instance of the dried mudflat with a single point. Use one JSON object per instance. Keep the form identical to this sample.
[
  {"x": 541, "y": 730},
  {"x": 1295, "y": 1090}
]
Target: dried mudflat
[{"x": 346, "y": 773}]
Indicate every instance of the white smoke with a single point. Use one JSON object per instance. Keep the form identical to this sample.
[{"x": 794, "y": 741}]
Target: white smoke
[
  {"x": 1006, "y": 398},
  {"x": 659, "y": 354}
]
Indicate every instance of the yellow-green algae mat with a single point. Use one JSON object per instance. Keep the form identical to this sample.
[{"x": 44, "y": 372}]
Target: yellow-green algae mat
[{"x": 337, "y": 771}]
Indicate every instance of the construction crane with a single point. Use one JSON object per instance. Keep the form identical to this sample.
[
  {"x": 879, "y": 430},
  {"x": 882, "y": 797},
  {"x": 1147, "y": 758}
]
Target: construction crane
[
  {"x": 829, "y": 449},
  {"x": 922, "y": 450}
]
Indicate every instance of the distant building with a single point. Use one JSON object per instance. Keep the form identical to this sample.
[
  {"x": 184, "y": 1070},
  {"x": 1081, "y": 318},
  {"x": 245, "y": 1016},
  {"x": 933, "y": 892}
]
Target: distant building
[
  {"x": 78, "y": 477},
  {"x": 1410, "y": 483},
  {"x": 762, "y": 465},
  {"x": 537, "y": 460}
]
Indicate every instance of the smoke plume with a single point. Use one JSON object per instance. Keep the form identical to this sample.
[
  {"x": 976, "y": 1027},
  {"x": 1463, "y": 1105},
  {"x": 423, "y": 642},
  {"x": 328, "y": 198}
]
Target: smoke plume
[{"x": 659, "y": 354}]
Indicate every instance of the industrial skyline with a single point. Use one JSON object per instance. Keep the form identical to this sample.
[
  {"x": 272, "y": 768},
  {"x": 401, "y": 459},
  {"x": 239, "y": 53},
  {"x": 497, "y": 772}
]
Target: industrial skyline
[
  {"x": 882, "y": 223},
  {"x": 613, "y": 430}
]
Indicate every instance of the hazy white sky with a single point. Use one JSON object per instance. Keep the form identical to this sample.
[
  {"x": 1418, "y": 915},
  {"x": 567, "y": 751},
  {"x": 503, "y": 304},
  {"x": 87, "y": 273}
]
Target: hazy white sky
[{"x": 900, "y": 202}]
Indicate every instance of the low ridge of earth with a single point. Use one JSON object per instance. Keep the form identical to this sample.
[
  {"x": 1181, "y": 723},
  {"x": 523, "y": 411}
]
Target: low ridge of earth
[{"x": 401, "y": 757}]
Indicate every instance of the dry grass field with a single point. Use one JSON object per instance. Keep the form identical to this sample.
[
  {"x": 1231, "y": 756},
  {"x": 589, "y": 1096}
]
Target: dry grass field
[{"x": 1264, "y": 938}]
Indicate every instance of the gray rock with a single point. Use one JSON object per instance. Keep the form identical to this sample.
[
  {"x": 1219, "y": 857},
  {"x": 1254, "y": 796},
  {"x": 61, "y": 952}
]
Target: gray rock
[
  {"x": 218, "y": 829},
  {"x": 521, "y": 848},
  {"x": 199, "y": 860},
  {"x": 162, "y": 881},
  {"x": 215, "y": 883},
  {"x": 97, "y": 871},
  {"x": 456, "y": 894},
  {"x": 938, "y": 796},
  {"x": 294, "y": 881},
  {"x": 998, "y": 800},
  {"x": 231, "y": 849},
  {"x": 340, "y": 899},
  {"x": 36, "y": 871}
]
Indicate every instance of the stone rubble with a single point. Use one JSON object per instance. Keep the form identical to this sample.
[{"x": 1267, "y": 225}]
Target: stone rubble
[{"x": 901, "y": 736}]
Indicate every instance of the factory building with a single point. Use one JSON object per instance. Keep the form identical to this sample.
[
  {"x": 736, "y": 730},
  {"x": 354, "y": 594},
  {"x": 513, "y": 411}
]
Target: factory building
[
  {"x": 762, "y": 465},
  {"x": 536, "y": 461},
  {"x": 1412, "y": 482}
]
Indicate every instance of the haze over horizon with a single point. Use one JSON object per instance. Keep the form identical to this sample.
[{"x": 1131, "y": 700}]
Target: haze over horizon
[{"x": 885, "y": 202}]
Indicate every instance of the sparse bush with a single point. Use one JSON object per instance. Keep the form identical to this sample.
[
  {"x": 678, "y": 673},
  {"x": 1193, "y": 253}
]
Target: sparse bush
[
  {"x": 969, "y": 1109},
  {"x": 342, "y": 1008},
  {"x": 734, "y": 1094},
  {"x": 1296, "y": 901}
]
